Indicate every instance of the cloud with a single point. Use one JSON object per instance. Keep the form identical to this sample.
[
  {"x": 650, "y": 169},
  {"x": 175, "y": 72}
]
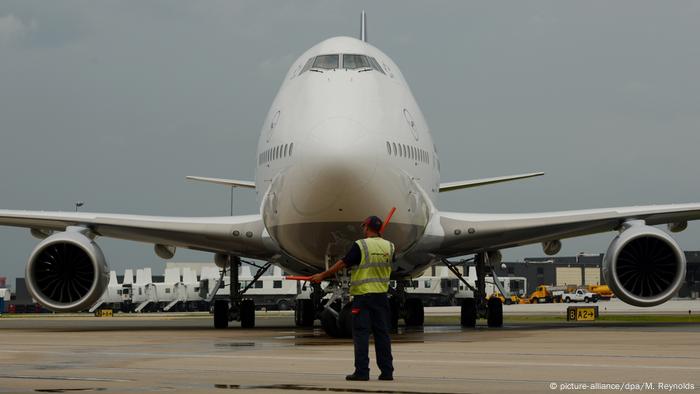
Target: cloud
[{"x": 13, "y": 29}]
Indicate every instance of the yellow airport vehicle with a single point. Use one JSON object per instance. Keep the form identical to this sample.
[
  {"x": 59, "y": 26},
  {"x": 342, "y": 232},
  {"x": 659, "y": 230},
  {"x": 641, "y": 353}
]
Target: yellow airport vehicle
[
  {"x": 542, "y": 294},
  {"x": 513, "y": 299},
  {"x": 604, "y": 292}
]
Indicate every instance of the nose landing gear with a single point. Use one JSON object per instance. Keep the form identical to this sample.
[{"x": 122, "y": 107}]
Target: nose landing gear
[{"x": 335, "y": 312}]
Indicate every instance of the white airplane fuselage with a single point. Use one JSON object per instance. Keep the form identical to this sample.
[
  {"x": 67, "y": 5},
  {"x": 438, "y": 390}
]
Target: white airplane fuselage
[{"x": 337, "y": 146}]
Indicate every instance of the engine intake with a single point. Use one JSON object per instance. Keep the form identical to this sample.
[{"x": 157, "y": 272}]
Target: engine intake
[
  {"x": 67, "y": 272},
  {"x": 644, "y": 266}
]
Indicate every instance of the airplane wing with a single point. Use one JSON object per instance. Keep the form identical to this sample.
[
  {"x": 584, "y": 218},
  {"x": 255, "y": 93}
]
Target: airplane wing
[
  {"x": 465, "y": 233},
  {"x": 240, "y": 235},
  {"x": 222, "y": 181},
  {"x": 450, "y": 186}
]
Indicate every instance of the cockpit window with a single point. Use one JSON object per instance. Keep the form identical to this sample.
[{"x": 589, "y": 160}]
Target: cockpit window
[
  {"x": 307, "y": 66},
  {"x": 352, "y": 62},
  {"x": 375, "y": 65},
  {"x": 327, "y": 62}
]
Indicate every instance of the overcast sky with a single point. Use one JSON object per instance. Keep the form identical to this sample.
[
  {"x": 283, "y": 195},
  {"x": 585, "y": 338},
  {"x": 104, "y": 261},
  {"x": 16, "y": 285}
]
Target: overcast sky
[{"x": 113, "y": 103}]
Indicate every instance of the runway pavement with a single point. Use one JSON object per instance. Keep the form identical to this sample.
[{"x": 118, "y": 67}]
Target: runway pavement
[{"x": 156, "y": 353}]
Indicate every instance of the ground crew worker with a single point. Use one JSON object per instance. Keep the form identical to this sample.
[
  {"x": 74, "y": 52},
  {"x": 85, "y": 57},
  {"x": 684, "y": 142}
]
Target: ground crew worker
[{"x": 371, "y": 258}]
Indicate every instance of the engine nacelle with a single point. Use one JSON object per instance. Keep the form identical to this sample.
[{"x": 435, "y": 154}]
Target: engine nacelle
[
  {"x": 67, "y": 272},
  {"x": 644, "y": 266}
]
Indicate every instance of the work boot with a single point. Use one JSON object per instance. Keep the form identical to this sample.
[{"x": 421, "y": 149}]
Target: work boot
[
  {"x": 356, "y": 377},
  {"x": 386, "y": 376}
]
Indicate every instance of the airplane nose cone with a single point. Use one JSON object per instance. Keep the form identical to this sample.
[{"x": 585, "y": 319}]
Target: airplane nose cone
[{"x": 336, "y": 159}]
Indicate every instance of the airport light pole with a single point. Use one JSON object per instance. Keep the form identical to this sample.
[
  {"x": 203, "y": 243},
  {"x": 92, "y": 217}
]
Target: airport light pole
[{"x": 232, "y": 187}]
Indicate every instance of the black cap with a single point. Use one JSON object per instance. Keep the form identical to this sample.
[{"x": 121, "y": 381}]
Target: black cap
[{"x": 373, "y": 222}]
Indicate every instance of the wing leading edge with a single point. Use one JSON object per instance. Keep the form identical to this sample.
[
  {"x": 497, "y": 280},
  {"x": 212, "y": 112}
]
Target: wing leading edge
[
  {"x": 465, "y": 233},
  {"x": 241, "y": 235},
  {"x": 449, "y": 186}
]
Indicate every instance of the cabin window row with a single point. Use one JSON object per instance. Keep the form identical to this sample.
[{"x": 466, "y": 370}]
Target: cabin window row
[
  {"x": 407, "y": 151},
  {"x": 275, "y": 153}
]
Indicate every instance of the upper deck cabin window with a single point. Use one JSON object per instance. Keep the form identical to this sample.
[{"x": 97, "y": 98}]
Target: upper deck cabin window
[{"x": 327, "y": 62}]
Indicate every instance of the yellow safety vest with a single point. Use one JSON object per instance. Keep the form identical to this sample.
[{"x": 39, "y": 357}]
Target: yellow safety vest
[{"x": 373, "y": 272}]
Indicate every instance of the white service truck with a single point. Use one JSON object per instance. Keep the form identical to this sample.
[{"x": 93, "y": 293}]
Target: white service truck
[{"x": 580, "y": 295}]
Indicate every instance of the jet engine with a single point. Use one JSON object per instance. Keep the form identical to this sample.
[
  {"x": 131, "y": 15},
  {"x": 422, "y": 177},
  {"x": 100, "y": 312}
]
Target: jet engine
[
  {"x": 644, "y": 266},
  {"x": 67, "y": 272}
]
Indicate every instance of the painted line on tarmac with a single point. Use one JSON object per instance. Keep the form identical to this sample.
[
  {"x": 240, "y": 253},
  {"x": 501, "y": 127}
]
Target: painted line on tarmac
[
  {"x": 500, "y": 363},
  {"x": 71, "y": 378},
  {"x": 577, "y": 355}
]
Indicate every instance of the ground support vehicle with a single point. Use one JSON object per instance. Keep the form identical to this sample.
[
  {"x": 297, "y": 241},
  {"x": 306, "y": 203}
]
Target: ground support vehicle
[
  {"x": 603, "y": 291},
  {"x": 580, "y": 295},
  {"x": 546, "y": 294},
  {"x": 512, "y": 299}
]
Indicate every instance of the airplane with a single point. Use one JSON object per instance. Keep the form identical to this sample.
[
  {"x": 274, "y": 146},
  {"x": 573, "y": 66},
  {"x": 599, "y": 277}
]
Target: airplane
[{"x": 344, "y": 139}]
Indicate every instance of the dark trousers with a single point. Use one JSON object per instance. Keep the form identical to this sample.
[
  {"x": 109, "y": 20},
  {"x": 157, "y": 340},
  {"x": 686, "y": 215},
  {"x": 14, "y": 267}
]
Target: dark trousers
[{"x": 371, "y": 311}]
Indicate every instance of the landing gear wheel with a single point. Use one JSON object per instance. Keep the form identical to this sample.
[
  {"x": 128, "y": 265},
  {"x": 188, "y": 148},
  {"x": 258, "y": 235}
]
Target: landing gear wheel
[
  {"x": 304, "y": 313},
  {"x": 247, "y": 314},
  {"x": 494, "y": 312},
  {"x": 467, "y": 315},
  {"x": 330, "y": 324},
  {"x": 415, "y": 315},
  {"x": 345, "y": 321},
  {"x": 220, "y": 314},
  {"x": 394, "y": 306}
]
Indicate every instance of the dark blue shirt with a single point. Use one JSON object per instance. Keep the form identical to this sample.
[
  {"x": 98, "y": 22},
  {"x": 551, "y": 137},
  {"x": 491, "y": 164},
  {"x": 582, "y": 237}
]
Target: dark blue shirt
[{"x": 353, "y": 257}]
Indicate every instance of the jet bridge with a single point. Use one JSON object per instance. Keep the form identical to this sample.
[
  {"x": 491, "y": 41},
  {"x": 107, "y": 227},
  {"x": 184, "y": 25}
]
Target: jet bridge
[{"x": 145, "y": 291}]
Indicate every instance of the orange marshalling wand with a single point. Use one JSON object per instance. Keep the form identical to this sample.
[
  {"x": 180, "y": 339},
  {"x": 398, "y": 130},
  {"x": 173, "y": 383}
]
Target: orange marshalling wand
[
  {"x": 388, "y": 218},
  {"x": 292, "y": 277}
]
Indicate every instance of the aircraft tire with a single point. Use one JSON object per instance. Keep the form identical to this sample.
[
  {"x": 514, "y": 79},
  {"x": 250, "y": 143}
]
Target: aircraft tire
[
  {"x": 304, "y": 313},
  {"x": 467, "y": 314},
  {"x": 494, "y": 313},
  {"x": 415, "y": 314},
  {"x": 345, "y": 321},
  {"x": 220, "y": 314},
  {"x": 247, "y": 314},
  {"x": 330, "y": 324},
  {"x": 395, "y": 307}
]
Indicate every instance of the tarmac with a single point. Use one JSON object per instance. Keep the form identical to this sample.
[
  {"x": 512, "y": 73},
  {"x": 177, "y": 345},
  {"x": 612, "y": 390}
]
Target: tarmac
[
  {"x": 615, "y": 306},
  {"x": 184, "y": 354}
]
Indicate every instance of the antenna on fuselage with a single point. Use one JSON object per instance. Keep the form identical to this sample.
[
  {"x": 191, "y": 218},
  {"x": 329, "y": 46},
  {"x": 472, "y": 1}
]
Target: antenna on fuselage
[{"x": 363, "y": 27}]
